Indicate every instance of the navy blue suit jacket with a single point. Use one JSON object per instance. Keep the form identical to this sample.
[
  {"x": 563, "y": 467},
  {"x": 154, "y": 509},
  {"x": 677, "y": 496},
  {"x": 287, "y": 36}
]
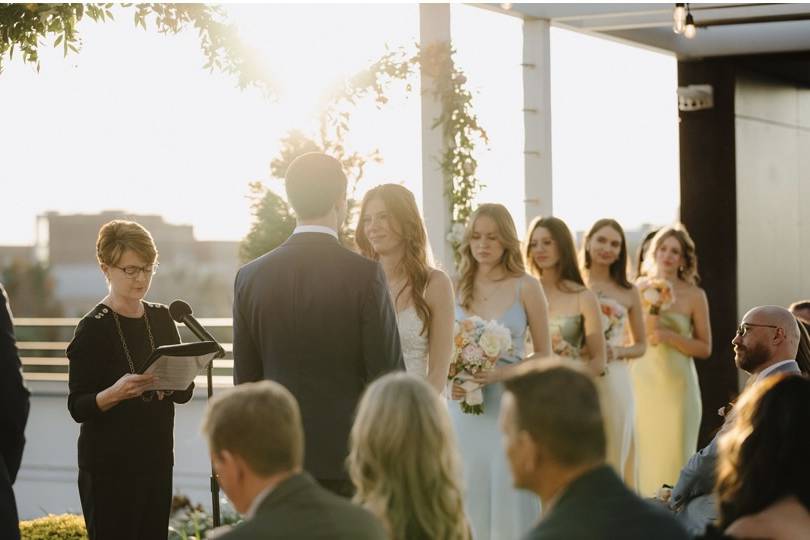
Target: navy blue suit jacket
[{"x": 318, "y": 319}]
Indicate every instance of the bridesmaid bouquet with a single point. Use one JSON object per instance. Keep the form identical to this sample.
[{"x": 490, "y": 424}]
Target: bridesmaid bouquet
[
  {"x": 656, "y": 294},
  {"x": 478, "y": 345},
  {"x": 612, "y": 314},
  {"x": 560, "y": 347}
]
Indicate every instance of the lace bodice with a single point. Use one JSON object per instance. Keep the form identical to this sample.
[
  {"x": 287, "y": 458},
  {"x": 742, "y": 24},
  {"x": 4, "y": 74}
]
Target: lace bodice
[{"x": 414, "y": 343}]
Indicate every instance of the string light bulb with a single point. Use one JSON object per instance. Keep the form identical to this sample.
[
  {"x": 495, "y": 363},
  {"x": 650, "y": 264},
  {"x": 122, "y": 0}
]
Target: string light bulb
[
  {"x": 689, "y": 30},
  {"x": 679, "y": 19}
]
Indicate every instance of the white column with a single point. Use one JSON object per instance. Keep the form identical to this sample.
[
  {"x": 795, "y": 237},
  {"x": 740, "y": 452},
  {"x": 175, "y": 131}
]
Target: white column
[
  {"x": 434, "y": 26},
  {"x": 537, "y": 118}
]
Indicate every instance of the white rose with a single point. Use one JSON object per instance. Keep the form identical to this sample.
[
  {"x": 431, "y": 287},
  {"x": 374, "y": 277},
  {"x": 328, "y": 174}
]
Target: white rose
[
  {"x": 491, "y": 343},
  {"x": 651, "y": 295}
]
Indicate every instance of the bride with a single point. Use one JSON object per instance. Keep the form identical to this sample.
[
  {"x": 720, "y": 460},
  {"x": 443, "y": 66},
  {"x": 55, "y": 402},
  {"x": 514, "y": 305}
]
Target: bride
[{"x": 391, "y": 231}]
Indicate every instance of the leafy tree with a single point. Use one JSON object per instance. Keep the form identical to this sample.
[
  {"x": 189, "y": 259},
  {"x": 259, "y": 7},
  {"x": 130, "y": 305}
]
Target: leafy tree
[
  {"x": 25, "y": 27},
  {"x": 274, "y": 219},
  {"x": 273, "y": 223}
]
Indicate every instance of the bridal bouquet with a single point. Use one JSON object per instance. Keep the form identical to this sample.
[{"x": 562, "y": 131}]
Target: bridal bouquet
[
  {"x": 656, "y": 294},
  {"x": 478, "y": 345}
]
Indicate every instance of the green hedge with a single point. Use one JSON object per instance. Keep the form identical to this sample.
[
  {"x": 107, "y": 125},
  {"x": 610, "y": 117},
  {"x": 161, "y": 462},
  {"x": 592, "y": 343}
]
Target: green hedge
[{"x": 51, "y": 527}]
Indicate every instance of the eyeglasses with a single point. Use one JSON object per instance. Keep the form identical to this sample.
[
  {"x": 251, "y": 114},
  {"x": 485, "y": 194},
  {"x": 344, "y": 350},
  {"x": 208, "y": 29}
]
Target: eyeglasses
[
  {"x": 743, "y": 328},
  {"x": 132, "y": 271}
]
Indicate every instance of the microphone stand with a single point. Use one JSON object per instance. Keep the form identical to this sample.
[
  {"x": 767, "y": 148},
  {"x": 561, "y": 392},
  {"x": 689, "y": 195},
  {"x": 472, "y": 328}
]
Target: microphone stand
[{"x": 214, "y": 482}]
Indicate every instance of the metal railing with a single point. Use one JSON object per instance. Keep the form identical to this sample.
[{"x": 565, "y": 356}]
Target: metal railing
[{"x": 42, "y": 343}]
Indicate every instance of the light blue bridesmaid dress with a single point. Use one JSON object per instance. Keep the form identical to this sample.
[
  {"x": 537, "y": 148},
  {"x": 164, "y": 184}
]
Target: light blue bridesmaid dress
[{"x": 496, "y": 510}]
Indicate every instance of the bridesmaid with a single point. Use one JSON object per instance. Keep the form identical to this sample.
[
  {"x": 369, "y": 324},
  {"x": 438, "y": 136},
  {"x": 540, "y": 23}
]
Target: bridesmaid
[
  {"x": 642, "y": 252},
  {"x": 668, "y": 406},
  {"x": 605, "y": 270},
  {"x": 493, "y": 285},
  {"x": 575, "y": 320},
  {"x": 392, "y": 231}
]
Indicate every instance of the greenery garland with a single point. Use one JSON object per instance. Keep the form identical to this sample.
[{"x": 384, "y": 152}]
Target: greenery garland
[{"x": 458, "y": 122}]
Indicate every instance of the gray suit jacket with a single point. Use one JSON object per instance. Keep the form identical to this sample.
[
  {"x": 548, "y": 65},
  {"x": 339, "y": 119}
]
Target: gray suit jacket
[
  {"x": 299, "y": 508},
  {"x": 692, "y": 495}
]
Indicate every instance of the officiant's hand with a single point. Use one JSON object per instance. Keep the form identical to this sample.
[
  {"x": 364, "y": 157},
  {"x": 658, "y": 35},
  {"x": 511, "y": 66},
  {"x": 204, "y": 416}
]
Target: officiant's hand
[{"x": 129, "y": 386}]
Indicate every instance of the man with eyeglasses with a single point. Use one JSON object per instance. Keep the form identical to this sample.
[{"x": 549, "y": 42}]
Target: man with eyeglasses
[{"x": 766, "y": 343}]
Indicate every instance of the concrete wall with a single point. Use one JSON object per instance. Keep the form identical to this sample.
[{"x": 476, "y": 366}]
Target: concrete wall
[
  {"x": 772, "y": 128},
  {"x": 47, "y": 479}
]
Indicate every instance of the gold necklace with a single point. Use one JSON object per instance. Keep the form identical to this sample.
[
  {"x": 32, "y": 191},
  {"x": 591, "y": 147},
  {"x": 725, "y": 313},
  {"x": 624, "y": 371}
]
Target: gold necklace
[{"x": 124, "y": 341}]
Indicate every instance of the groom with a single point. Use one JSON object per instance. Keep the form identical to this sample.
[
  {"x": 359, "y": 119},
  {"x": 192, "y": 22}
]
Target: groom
[{"x": 317, "y": 318}]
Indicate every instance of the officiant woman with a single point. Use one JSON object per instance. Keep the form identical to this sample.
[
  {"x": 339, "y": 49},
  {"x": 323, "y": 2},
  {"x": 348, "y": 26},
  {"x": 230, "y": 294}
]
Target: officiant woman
[{"x": 126, "y": 438}]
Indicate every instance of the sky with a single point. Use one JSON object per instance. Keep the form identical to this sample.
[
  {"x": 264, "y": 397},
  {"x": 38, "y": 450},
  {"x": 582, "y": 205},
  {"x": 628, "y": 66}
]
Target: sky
[{"x": 134, "y": 122}]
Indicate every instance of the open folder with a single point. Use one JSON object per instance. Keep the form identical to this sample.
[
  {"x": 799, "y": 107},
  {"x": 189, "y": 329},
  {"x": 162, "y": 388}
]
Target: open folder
[{"x": 176, "y": 365}]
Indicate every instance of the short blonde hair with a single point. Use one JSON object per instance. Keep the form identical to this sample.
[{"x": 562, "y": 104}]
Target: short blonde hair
[
  {"x": 117, "y": 236},
  {"x": 261, "y": 423},
  {"x": 404, "y": 463}
]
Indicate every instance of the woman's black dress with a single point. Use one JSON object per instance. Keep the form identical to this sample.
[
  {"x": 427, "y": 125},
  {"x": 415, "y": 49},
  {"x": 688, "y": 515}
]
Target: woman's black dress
[{"x": 126, "y": 454}]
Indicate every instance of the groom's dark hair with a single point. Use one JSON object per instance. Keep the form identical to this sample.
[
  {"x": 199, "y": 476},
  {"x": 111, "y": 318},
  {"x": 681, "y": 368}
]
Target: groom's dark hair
[{"x": 314, "y": 183}]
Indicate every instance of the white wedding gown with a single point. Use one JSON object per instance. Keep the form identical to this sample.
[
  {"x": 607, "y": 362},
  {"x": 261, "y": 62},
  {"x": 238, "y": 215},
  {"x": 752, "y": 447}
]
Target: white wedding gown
[{"x": 414, "y": 343}]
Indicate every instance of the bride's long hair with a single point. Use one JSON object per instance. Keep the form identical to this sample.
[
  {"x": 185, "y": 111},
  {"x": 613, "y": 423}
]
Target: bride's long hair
[
  {"x": 404, "y": 462},
  {"x": 406, "y": 222}
]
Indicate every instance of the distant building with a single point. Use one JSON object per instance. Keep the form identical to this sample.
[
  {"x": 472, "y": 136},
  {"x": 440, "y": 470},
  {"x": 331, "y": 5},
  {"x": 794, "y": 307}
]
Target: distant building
[{"x": 201, "y": 273}]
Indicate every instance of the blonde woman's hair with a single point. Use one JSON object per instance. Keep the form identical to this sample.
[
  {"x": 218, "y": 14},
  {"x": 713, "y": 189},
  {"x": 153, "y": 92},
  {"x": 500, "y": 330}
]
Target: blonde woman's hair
[
  {"x": 688, "y": 272},
  {"x": 118, "y": 235},
  {"x": 511, "y": 260},
  {"x": 404, "y": 463}
]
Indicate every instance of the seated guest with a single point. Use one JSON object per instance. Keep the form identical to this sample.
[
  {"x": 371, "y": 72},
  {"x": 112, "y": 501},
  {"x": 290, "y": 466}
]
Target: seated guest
[
  {"x": 555, "y": 442},
  {"x": 14, "y": 406},
  {"x": 801, "y": 310},
  {"x": 766, "y": 344},
  {"x": 256, "y": 440},
  {"x": 404, "y": 463},
  {"x": 763, "y": 478}
]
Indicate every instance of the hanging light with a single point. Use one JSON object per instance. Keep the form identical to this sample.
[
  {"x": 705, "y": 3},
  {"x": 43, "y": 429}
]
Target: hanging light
[
  {"x": 506, "y": 6},
  {"x": 679, "y": 19},
  {"x": 689, "y": 30}
]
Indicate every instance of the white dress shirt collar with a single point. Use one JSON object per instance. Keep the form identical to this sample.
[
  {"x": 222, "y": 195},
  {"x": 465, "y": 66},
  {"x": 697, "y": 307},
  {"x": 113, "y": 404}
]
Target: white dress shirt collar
[{"x": 315, "y": 229}]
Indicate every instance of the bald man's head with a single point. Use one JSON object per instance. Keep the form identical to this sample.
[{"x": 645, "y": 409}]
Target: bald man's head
[{"x": 771, "y": 335}]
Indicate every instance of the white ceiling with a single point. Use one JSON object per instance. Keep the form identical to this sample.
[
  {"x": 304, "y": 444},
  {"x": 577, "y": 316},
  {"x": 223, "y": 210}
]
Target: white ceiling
[{"x": 650, "y": 25}]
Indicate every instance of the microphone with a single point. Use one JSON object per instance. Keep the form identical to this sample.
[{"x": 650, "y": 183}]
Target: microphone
[{"x": 181, "y": 312}]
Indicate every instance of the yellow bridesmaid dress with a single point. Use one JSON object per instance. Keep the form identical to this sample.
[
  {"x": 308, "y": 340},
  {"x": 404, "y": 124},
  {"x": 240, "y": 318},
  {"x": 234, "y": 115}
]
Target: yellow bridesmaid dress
[{"x": 668, "y": 408}]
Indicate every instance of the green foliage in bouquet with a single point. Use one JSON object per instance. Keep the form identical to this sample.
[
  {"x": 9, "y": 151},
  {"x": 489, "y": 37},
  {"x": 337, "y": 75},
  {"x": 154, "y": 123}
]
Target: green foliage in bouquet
[
  {"x": 471, "y": 409},
  {"x": 54, "y": 527}
]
